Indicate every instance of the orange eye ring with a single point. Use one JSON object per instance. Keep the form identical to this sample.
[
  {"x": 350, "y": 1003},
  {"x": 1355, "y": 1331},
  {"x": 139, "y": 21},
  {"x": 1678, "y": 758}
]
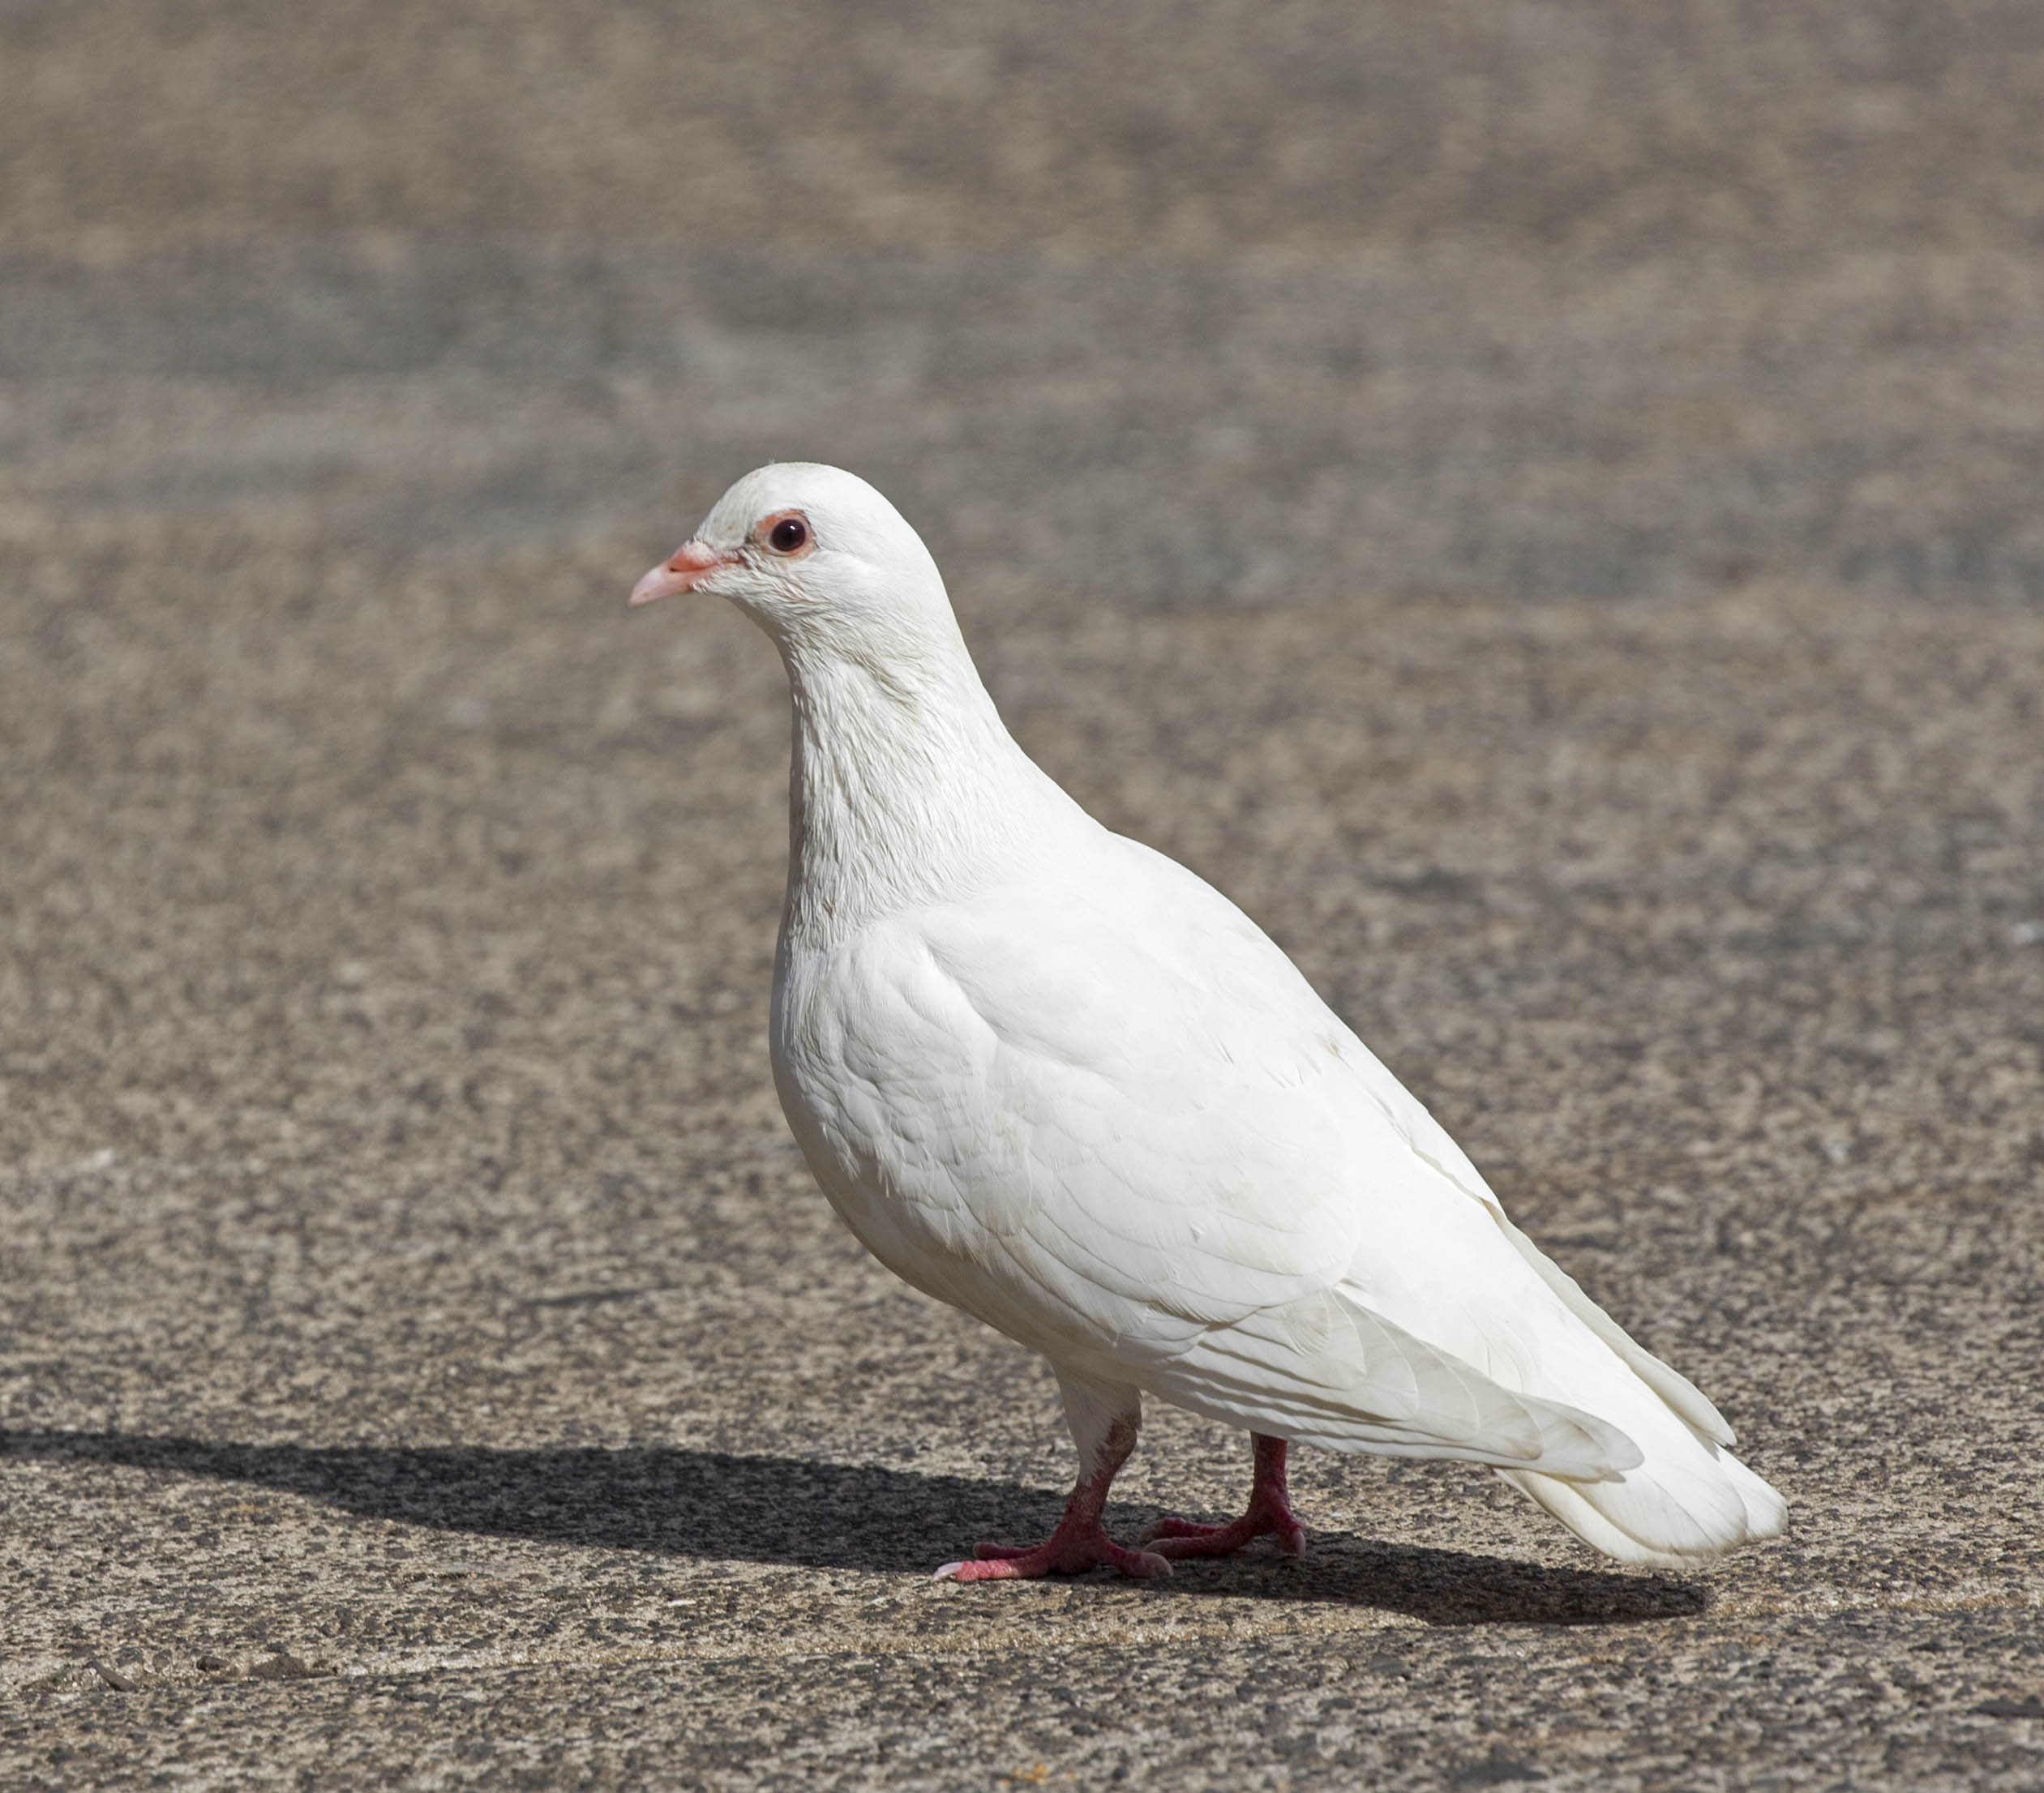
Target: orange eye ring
[{"x": 787, "y": 534}]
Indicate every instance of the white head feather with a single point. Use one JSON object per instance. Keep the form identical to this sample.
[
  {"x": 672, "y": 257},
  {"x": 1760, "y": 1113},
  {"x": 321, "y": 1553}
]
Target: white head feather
[{"x": 906, "y": 784}]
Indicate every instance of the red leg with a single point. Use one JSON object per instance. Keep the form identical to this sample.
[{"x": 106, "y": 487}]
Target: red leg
[
  {"x": 1269, "y": 1510},
  {"x": 1080, "y": 1543}
]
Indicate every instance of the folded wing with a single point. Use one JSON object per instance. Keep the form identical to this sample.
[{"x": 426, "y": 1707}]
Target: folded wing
[{"x": 1135, "y": 1138}]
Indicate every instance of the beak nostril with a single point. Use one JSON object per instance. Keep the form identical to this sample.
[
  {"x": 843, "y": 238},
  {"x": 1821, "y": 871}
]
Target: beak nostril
[
  {"x": 693, "y": 557},
  {"x": 683, "y": 571}
]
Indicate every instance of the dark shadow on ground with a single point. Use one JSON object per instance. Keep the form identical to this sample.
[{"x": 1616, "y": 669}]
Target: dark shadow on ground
[{"x": 808, "y": 1514}]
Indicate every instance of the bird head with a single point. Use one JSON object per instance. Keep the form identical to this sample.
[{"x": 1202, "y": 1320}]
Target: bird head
[{"x": 818, "y": 558}]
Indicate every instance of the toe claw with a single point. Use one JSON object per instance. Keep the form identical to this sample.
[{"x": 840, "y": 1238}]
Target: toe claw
[
  {"x": 1177, "y": 1538},
  {"x": 1068, "y": 1552}
]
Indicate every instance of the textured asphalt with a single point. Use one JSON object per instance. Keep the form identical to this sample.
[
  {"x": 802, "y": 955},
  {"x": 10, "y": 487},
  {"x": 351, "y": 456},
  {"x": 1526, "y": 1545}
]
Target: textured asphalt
[{"x": 1540, "y": 505}]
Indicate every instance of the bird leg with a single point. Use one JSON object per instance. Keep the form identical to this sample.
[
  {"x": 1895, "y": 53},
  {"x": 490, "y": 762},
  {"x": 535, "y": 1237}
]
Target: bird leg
[
  {"x": 1104, "y": 1422},
  {"x": 1269, "y": 1510}
]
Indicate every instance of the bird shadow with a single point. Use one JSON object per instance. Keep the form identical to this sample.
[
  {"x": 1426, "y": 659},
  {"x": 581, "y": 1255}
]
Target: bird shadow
[{"x": 807, "y": 1514}]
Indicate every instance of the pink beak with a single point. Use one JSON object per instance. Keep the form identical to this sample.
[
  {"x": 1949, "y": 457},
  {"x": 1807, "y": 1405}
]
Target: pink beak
[{"x": 687, "y": 568}]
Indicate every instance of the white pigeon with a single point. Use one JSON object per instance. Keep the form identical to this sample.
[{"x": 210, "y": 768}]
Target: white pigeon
[{"x": 1052, "y": 1077}]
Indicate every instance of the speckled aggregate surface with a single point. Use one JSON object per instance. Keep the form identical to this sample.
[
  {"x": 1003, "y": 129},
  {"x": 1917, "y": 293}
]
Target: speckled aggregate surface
[{"x": 1570, "y": 568}]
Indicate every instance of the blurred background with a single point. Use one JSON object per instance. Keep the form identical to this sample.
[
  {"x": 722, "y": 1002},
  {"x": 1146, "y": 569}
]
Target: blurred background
[
  {"x": 1168, "y": 305},
  {"x": 1539, "y": 501}
]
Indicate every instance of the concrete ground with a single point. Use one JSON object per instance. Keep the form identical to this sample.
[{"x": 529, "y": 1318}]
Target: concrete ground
[{"x": 1540, "y": 504}]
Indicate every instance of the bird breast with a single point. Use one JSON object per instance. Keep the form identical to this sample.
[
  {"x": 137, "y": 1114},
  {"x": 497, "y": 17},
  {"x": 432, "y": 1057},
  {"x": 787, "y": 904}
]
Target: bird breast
[{"x": 1063, "y": 1142}]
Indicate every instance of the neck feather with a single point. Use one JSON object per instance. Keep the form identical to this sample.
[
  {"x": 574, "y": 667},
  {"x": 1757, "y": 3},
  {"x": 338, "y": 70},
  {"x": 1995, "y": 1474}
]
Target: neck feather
[{"x": 905, "y": 789}]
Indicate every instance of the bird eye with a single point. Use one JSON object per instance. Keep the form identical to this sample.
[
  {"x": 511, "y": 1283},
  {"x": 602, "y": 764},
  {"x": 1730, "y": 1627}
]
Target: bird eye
[{"x": 787, "y": 535}]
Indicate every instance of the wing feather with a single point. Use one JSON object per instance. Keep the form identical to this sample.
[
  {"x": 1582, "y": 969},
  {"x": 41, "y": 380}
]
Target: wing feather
[{"x": 1117, "y": 1123}]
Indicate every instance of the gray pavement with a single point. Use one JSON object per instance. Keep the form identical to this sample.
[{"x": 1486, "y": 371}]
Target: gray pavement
[{"x": 1541, "y": 506}]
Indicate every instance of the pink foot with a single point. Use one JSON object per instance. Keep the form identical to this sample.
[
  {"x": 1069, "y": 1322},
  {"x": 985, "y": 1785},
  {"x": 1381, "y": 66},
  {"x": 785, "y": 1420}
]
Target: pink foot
[
  {"x": 1268, "y": 1512},
  {"x": 1071, "y": 1550},
  {"x": 1081, "y": 1542}
]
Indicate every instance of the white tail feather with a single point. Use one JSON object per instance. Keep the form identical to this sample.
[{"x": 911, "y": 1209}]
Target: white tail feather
[{"x": 1662, "y": 1514}]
